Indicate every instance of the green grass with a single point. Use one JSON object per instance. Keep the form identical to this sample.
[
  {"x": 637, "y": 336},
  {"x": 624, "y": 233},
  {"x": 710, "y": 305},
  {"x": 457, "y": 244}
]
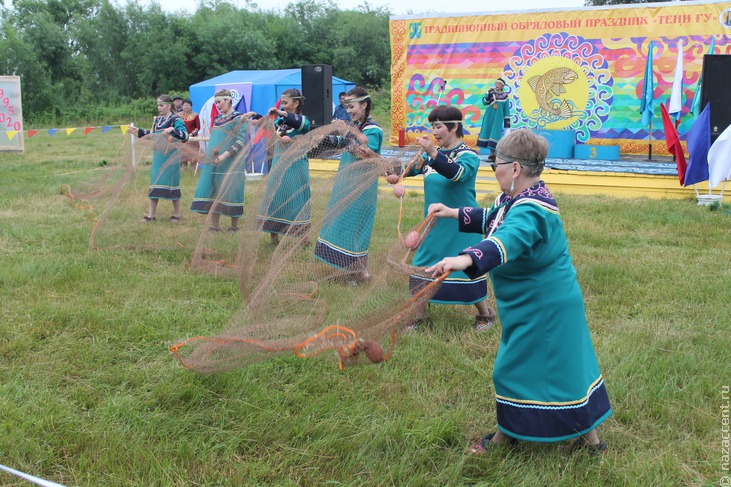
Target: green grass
[{"x": 89, "y": 394}]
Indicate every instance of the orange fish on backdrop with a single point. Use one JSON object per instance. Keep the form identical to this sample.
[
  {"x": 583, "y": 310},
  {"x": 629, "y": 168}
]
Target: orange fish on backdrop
[{"x": 552, "y": 81}]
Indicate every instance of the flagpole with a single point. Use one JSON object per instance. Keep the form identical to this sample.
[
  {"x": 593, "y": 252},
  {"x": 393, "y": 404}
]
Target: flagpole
[
  {"x": 134, "y": 155},
  {"x": 649, "y": 146},
  {"x": 441, "y": 92}
]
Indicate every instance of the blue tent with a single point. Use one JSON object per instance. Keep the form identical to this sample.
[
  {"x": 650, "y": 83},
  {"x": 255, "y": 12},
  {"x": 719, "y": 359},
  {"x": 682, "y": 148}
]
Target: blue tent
[{"x": 267, "y": 86}]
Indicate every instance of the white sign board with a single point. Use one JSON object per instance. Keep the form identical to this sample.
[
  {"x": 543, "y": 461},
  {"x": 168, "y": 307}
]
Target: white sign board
[{"x": 11, "y": 114}]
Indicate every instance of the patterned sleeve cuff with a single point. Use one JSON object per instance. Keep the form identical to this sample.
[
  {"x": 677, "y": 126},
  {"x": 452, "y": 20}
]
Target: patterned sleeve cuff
[
  {"x": 236, "y": 147},
  {"x": 472, "y": 220},
  {"x": 485, "y": 256},
  {"x": 446, "y": 167},
  {"x": 294, "y": 120}
]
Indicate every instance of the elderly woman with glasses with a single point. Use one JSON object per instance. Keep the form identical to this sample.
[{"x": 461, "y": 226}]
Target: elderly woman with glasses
[{"x": 547, "y": 382}]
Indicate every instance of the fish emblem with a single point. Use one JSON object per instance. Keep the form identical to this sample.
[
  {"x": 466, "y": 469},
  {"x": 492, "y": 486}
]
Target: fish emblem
[{"x": 553, "y": 81}]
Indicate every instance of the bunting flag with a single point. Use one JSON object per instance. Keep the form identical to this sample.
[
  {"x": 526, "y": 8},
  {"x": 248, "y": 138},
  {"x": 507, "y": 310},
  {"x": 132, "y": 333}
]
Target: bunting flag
[
  {"x": 69, "y": 130},
  {"x": 647, "y": 102},
  {"x": 673, "y": 143},
  {"x": 719, "y": 159},
  {"x": 695, "y": 107},
  {"x": 675, "y": 106},
  {"x": 698, "y": 141}
]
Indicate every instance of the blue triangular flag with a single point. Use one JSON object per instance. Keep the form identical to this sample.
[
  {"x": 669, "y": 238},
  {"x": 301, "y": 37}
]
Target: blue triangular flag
[
  {"x": 647, "y": 102},
  {"x": 241, "y": 105},
  {"x": 699, "y": 142}
]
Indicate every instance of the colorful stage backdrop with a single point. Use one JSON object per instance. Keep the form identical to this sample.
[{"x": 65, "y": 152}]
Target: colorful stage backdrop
[{"x": 602, "y": 49}]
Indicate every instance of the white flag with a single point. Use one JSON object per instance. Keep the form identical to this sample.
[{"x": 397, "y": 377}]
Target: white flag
[
  {"x": 719, "y": 159},
  {"x": 675, "y": 106}
]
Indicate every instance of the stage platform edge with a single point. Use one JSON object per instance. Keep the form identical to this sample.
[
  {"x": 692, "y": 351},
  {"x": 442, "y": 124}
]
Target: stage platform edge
[{"x": 616, "y": 184}]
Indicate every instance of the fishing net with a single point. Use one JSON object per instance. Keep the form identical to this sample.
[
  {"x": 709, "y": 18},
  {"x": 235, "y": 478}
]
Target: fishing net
[
  {"x": 117, "y": 199},
  {"x": 319, "y": 255},
  {"x": 334, "y": 279}
]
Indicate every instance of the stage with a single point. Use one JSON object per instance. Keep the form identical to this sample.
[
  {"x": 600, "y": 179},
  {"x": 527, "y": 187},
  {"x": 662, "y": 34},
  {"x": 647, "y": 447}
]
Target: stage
[{"x": 629, "y": 177}]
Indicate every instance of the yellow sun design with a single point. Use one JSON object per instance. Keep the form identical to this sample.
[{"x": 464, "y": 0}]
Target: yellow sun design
[{"x": 554, "y": 92}]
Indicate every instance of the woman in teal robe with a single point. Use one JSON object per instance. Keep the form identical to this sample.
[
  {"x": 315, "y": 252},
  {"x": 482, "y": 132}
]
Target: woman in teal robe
[
  {"x": 165, "y": 171},
  {"x": 450, "y": 171},
  {"x": 285, "y": 208},
  {"x": 495, "y": 119},
  {"x": 346, "y": 234},
  {"x": 220, "y": 188},
  {"x": 547, "y": 380}
]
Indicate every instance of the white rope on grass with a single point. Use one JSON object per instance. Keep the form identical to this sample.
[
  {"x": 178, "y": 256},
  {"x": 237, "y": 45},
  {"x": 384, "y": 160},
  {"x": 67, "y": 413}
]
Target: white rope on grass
[{"x": 30, "y": 478}]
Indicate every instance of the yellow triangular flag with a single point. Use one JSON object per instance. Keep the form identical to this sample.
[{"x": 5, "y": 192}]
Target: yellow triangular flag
[
  {"x": 124, "y": 129},
  {"x": 68, "y": 131},
  {"x": 11, "y": 133}
]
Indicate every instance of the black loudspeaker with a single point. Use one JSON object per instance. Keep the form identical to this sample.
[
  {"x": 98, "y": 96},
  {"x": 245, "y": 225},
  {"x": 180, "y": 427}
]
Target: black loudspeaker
[
  {"x": 715, "y": 89},
  {"x": 317, "y": 88}
]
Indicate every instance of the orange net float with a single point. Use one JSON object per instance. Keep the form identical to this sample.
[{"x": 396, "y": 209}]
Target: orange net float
[{"x": 398, "y": 190}]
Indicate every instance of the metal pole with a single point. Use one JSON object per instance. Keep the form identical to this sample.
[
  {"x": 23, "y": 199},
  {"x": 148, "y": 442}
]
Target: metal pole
[
  {"x": 649, "y": 146},
  {"x": 134, "y": 155}
]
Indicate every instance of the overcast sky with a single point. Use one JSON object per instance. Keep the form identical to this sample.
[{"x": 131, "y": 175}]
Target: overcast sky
[{"x": 396, "y": 7}]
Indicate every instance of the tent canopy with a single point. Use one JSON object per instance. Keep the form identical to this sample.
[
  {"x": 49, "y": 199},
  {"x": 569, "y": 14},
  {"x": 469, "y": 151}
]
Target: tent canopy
[{"x": 267, "y": 87}]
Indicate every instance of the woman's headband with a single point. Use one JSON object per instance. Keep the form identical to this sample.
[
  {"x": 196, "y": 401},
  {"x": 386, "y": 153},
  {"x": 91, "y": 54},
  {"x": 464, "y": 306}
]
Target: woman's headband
[
  {"x": 353, "y": 100},
  {"x": 522, "y": 162},
  {"x": 446, "y": 121}
]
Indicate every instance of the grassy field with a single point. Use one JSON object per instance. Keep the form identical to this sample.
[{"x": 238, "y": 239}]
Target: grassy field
[{"x": 89, "y": 394}]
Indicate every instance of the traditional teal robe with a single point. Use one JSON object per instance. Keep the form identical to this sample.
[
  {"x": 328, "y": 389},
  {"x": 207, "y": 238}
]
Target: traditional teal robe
[
  {"x": 346, "y": 233},
  {"x": 165, "y": 171},
  {"x": 449, "y": 178},
  {"x": 547, "y": 381},
  {"x": 224, "y": 181},
  {"x": 285, "y": 208}
]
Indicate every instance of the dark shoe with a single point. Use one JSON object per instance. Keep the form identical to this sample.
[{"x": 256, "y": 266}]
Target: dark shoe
[
  {"x": 147, "y": 219},
  {"x": 485, "y": 322},
  {"x": 486, "y": 443},
  {"x": 358, "y": 279},
  {"x": 174, "y": 219},
  {"x": 214, "y": 229},
  {"x": 491, "y": 158},
  {"x": 414, "y": 326},
  {"x": 233, "y": 229},
  {"x": 580, "y": 444}
]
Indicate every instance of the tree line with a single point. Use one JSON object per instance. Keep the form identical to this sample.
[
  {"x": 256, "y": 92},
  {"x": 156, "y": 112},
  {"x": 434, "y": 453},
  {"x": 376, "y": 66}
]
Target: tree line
[
  {"x": 74, "y": 56},
  {"x": 79, "y": 59}
]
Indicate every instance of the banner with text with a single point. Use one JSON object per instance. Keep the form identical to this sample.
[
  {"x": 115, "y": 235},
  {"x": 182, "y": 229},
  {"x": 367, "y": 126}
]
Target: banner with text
[{"x": 565, "y": 69}]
